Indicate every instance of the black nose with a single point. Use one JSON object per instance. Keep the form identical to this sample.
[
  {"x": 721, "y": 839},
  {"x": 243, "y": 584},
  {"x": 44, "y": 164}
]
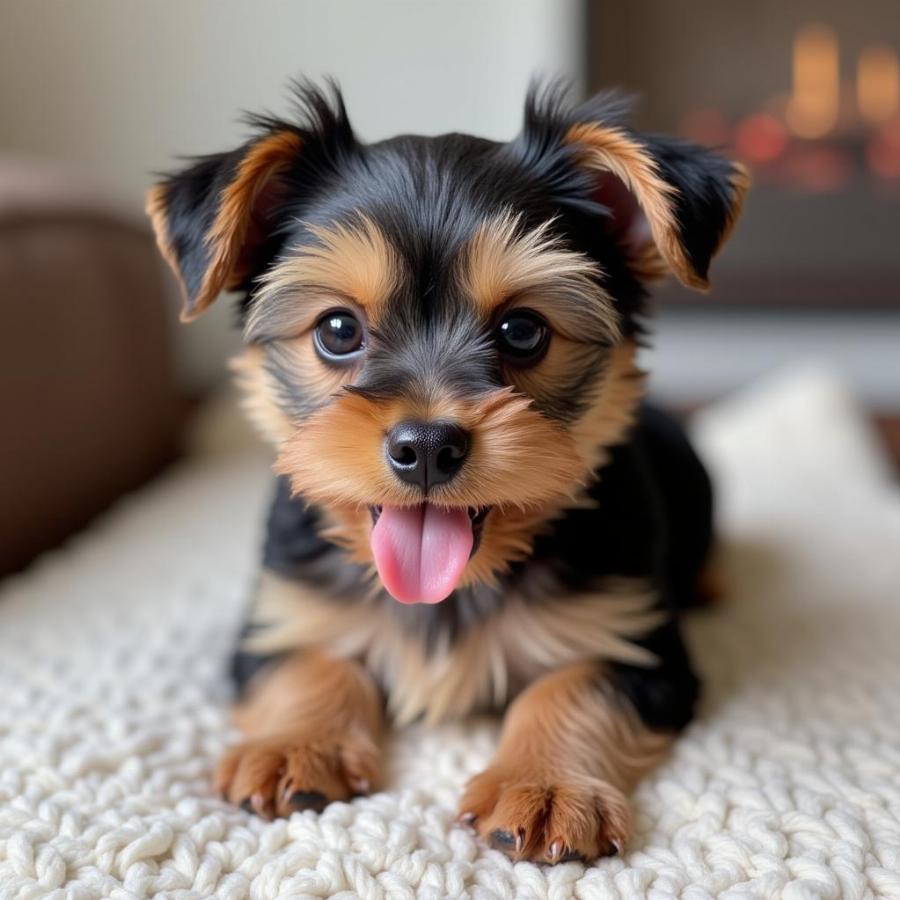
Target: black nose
[{"x": 426, "y": 453}]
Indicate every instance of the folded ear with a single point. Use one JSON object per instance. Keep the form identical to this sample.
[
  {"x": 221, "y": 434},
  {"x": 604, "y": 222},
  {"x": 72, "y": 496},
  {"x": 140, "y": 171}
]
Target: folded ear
[
  {"x": 210, "y": 218},
  {"x": 663, "y": 195}
]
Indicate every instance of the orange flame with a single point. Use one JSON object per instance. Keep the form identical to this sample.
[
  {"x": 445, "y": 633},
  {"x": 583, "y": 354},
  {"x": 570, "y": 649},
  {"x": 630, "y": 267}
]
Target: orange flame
[
  {"x": 814, "y": 104},
  {"x": 878, "y": 84}
]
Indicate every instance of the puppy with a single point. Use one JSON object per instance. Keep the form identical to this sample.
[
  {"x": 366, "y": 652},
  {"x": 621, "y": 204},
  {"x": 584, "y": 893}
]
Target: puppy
[{"x": 473, "y": 510}]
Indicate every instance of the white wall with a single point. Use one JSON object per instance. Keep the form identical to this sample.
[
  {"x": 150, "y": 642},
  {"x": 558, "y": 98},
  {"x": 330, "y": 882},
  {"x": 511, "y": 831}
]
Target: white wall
[{"x": 118, "y": 87}]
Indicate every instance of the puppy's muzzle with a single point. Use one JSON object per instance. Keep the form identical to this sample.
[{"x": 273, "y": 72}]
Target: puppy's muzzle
[{"x": 426, "y": 454}]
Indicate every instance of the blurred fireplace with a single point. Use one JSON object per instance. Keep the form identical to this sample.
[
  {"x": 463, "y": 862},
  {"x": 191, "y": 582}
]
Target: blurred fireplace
[{"x": 808, "y": 95}]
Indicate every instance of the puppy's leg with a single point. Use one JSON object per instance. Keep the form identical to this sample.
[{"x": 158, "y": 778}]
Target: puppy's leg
[
  {"x": 572, "y": 748},
  {"x": 313, "y": 732}
]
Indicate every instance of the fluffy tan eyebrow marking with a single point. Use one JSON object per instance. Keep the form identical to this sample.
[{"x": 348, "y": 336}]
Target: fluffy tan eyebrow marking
[
  {"x": 352, "y": 260},
  {"x": 501, "y": 263}
]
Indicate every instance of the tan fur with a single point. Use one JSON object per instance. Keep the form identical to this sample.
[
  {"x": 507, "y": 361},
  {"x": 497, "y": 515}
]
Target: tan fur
[
  {"x": 259, "y": 388},
  {"x": 558, "y": 371},
  {"x": 518, "y": 457},
  {"x": 569, "y": 753},
  {"x": 315, "y": 728},
  {"x": 501, "y": 265},
  {"x": 258, "y": 396},
  {"x": 611, "y": 150},
  {"x": 612, "y": 413},
  {"x": 740, "y": 183},
  {"x": 647, "y": 265},
  {"x": 320, "y": 383},
  {"x": 483, "y": 669},
  {"x": 352, "y": 263}
]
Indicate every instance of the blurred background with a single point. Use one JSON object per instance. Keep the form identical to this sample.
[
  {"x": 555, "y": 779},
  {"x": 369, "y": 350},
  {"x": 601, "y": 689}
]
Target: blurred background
[{"x": 97, "y": 96}]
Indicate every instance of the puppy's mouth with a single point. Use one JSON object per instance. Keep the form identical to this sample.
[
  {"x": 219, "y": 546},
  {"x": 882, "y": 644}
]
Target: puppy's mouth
[{"x": 421, "y": 551}]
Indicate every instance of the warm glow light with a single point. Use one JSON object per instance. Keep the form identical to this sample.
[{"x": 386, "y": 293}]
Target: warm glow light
[
  {"x": 813, "y": 108},
  {"x": 760, "y": 138},
  {"x": 878, "y": 84},
  {"x": 883, "y": 152}
]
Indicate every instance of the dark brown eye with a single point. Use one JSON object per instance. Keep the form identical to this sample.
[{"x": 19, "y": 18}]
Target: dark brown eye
[
  {"x": 339, "y": 335},
  {"x": 522, "y": 337}
]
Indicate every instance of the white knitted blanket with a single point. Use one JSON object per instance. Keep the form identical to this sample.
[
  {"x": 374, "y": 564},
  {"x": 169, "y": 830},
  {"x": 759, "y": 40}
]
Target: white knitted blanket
[{"x": 113, "y": 702}]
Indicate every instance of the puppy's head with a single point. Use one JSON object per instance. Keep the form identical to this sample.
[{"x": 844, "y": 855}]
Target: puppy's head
[{"x": 440, "y": 331}]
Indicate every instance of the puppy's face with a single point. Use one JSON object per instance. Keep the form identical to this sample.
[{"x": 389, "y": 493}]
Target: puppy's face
[{"x": 440, "y": 331}]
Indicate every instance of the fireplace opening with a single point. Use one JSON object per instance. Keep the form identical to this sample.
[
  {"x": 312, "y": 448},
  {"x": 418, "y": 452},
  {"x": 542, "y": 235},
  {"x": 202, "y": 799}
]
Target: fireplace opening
[{"x": 809, "y": 98}]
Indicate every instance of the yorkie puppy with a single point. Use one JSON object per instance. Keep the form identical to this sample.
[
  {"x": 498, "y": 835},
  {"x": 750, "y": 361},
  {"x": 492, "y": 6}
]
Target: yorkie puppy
[{"x": 473, "y": 511}]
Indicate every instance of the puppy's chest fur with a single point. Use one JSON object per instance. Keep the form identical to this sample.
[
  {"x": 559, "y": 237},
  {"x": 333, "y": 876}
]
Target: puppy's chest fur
[
  {"x": 437, "y": 667},
  {"x": 571, "y": 601}
]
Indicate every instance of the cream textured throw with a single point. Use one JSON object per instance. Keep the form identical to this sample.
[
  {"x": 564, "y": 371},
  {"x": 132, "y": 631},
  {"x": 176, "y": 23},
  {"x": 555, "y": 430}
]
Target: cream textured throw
[{"x": 113, "y": 709}]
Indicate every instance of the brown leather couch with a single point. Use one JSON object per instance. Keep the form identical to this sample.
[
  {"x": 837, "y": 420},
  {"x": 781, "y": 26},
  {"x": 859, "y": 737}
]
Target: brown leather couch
[{"x": 91, "y": 407}]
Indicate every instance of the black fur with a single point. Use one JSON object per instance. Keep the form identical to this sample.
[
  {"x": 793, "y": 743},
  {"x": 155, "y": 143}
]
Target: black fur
[
  {"x": 428, "y": 196},
  {"x": 705, "y": 194},
  {"x": 191, "y": 201}
]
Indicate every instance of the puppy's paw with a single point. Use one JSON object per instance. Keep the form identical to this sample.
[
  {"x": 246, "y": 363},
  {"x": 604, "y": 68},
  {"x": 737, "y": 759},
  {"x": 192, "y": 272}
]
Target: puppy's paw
[
  {"x": 275, "y": 776},
  {"x": 547, "y": 819}
]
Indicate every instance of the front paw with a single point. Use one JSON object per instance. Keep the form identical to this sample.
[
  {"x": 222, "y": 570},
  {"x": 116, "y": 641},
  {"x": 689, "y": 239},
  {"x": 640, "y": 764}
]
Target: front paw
[
  {"x": 546, "y": 817},
  {"x": 278, "y": 775}
]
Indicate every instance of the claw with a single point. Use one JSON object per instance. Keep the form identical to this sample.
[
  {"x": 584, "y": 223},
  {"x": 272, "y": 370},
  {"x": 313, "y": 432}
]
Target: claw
[
  {"x": 258, "y": 804},
  {"x": 360, "y": 785},
  {"x": 466, "y": 818},
  {"x": 554, "y": 851}
]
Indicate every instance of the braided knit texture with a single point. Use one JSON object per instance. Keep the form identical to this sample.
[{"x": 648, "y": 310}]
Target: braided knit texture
[{"x": 114, "y": 706}]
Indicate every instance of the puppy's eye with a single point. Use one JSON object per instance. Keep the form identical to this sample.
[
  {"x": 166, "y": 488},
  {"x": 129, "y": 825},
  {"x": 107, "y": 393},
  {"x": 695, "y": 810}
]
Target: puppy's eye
[
  {"x": 339, "y": 334},
  {"x": 522, "y": 337}
]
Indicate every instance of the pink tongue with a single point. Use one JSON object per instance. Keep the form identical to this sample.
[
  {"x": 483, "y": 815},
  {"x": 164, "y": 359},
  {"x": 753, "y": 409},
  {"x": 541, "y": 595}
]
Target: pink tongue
[{"x": 421, "y": 551}]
